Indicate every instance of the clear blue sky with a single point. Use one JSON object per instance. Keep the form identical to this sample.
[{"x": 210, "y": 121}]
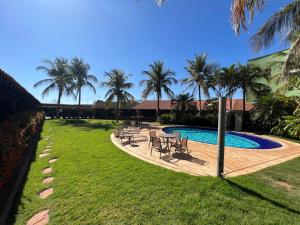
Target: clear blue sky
[{"x": 120, "y": 34}]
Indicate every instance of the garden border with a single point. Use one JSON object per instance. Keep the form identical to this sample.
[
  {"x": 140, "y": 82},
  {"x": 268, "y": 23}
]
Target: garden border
[{"x": 21, "y": 175}]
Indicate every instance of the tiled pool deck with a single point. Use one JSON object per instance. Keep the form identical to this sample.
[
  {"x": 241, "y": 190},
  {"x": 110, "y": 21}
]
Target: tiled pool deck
[{"x": 202, "y": 159}]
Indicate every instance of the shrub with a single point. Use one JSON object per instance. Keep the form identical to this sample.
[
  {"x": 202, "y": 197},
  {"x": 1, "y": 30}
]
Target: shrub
[
  {"x": 189, "y": 118},
  {"x": 269, "y": 109},
  {"x": 16, "y": 132},
  {"x": 167, "y": 119},
  {"x": 289, "y": 126}
]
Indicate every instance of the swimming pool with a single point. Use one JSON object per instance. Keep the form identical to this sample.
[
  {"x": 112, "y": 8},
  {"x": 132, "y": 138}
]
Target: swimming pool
[{"x": 232, "y": 139}]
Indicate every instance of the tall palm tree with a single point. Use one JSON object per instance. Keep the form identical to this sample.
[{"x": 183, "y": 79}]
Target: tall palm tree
[
  {"x": 200, "y": 72},
  {"x": 79, "y": 70},
  {"x": 247, "y": 80},
  {"x": 159, "y": 80},
  {"x": 59, "y": 78},
  {"x": 117, "y": 88},
  {"x": 184, "y": 102}
]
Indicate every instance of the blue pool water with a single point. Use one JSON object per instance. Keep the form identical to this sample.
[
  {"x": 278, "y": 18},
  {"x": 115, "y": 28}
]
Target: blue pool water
[{"x": 232, "y": 139}]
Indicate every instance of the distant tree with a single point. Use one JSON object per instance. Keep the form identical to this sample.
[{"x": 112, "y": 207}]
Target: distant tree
[
  {"x": 227, "y": 79},
  {"x": 59, "y": 78},
  {"x": 159, "y": 80},
  {"x": 201, "y": 73},
  {"x": 79, "y": 71},
  {"x": 117, "y": 88},
  {"x": 248, "y": 80},
  {"x": 184, "y": 102}
]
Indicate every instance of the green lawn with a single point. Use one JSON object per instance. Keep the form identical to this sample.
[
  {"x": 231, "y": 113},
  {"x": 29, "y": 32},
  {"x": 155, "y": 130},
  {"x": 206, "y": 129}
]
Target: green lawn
[{"x": 96, "y": 183}]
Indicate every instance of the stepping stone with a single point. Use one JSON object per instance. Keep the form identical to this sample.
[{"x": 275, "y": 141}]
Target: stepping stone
[
  {"x": 48, "y": 180},
  {"x": 47, "y": 170},
  {"x": 52, "y": 160},
  {"x": 47, "y": 150},
  {"x": 45, "y": 193},
  {"x": 41, "y": 218},
  {"x": 43, "y": 155},
  {"x": 48, "y": 146}
]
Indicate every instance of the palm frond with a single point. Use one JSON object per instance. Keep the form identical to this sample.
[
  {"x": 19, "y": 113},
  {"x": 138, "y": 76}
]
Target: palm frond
[
  {"x": 281, "y": 23},
  {"x": 42, "y": 82},
  {"x": 48, "y": 89},
  {"x": 239, "y": 9}
]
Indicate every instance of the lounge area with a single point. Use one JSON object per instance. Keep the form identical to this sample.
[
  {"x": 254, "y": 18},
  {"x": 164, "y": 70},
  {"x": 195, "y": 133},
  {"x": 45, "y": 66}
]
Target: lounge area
[{"x": 200, "y": 159}]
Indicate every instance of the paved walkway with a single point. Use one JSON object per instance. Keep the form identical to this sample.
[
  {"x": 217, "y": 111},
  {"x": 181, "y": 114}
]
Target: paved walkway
[
  {"x": 202, "y": 160},
  {"x": 42, "y": 217}
]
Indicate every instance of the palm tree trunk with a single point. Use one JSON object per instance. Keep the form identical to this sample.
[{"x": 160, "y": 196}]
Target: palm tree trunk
[
  {"x": 58, "y": 103},
  {"x": 79, "y": 100},
  {"x": 244, "y": 107},
  {"x": 117, "y": 109},
  {"x": 200, "y": 107},
  {"x": 157, "y": 107},
  {"x": 231, "y": 95},
  {"x": 244, "y": 100}
]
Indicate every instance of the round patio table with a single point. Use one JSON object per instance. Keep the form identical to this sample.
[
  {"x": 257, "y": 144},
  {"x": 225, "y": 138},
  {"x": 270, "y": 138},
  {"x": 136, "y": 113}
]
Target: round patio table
[
  {"x": 167, "y": 137},
  {"x": 129, "y": 136}
]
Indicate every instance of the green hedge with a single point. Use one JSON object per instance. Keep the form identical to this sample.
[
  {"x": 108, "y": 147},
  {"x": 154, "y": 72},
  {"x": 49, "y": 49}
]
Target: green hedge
[{"x": 206, "y": 119}]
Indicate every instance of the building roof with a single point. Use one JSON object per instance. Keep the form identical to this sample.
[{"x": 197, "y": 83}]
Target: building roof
[
  {"x": 237, "y": 105},
  {"x": 11, "y": 88}
]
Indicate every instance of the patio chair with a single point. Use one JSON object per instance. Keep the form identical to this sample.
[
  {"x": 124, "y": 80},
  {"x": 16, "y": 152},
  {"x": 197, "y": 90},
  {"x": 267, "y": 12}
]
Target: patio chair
[
  {"x": 152, "y": 135},
  {"x": 182, "y": 147},
  {"x": 118, "y": 133},
  {"x": 156, "y": 143},
  {"x": 175, "y": 140},
  {"x": 133, "y": 130}
]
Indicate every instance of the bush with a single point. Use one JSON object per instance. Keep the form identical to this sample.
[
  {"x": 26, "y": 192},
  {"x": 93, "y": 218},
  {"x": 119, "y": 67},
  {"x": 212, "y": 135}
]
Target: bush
[
  {"x": 190, "y": 118},
  {"x": 167, "y": 119},
  {"x": 289, "y": 127},
  {"x": 16, "y": 132}
]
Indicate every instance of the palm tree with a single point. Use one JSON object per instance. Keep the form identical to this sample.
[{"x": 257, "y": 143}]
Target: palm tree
[
  {"x": 118, "y": 86},
  {"x": 184, "y": 102},
  {"x": 229, "y": 81},
  {"x": 79, "y": 70},
  {"x": 200, "y": 72},
  {"x": 59, "y": 78},
  {"x": 247, "y": 80},
  {"x": 159, "y": 80}
]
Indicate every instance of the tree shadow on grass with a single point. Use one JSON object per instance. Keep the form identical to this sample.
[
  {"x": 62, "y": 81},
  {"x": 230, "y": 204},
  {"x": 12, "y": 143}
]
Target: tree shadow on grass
[
  {"x": 261, "y": 197},
  {"x": 86, "y": 125}
]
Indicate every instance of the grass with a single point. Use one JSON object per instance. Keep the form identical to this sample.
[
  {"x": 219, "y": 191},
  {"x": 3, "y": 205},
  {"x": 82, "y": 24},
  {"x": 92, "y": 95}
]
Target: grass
[{"x": 96, "y": 183}]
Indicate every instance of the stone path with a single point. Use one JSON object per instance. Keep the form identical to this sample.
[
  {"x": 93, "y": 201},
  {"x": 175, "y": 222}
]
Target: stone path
[
  {"x": 48, "y": 180},
  {"x": 52, "y": 160},
  {"x": 43, "y": 155},
  {"x": 47, "y": 170},
  {"x": 45, "y": 193},
  {"x": 42, "y": 217}
]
